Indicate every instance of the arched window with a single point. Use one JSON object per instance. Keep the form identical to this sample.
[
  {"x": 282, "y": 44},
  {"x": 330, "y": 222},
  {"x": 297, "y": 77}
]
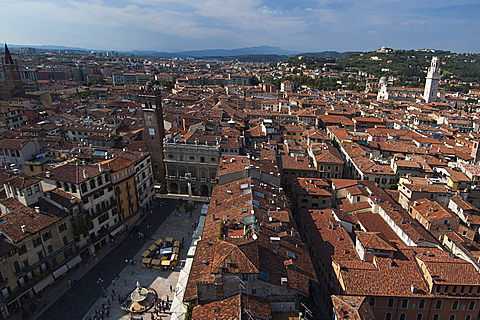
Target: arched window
[
  {"x": 372, "y": 301},
  {"x": 65, "y": 187},
  {"x": 74, "y": 189},
  {"x": 388, "y": 316},
  {"x": 471, "y": 305},
  {"x": 421, "y": 304},
  {"x": 468, "y": 317},
  {"x": 390, "y": 302},
  {"x": 419, "y": 316},
  {"x": 405, "y": 303},
  {"x": 452, "y": 317},
  {"x": 403, "y": 316},
  {"x": 92, "y": 184},
  {"x": 83, "y": 186},
  {"x": 59, "y": 185},
  {"x": 438, "y": 304},
  {"x": 436, "y": 317},
  {"x": 455, "y": 305}
]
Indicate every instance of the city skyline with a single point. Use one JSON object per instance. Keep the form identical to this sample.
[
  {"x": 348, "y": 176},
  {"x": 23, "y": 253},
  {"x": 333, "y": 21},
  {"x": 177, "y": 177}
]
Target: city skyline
[{"x": 180, "y": 25}]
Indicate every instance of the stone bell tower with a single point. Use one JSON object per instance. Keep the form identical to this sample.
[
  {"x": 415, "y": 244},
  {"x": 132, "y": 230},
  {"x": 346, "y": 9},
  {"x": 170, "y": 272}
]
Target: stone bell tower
[{"x": 433, "y": 78}]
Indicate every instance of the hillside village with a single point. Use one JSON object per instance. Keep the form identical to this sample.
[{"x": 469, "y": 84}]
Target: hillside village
[{"x": 332, "y": 204}]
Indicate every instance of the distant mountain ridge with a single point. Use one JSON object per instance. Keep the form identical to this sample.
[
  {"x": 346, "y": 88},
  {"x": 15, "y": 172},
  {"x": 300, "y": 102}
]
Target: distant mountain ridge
[
  {"x": 258, "y": 50},
  {"x": 216, "y": 52}
]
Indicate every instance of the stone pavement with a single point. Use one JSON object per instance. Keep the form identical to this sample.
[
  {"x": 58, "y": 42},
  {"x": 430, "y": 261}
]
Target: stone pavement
[{"x": 176, "y": 226}]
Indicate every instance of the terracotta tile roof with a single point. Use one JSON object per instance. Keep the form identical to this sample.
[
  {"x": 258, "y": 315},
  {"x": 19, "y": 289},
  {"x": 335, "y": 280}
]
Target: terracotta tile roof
[
  {"x": 411, "y": 227},
  {"x": 235, "y": 258},
  {"x": 21, "y": 181},
  {"x": 71, "y": 173},
  {"x": 266, "y": 207},
  {"x": 288, "y": 162},
  {"x": 313, "y": 186},
  {"x": 15, "y": 144},
  {"x": 329, "y": 156},
  {"x": 463, "y": 204},
  {"x": 352, "y": 307},
  {"x": 61, "y": 197},
  {"x": 431, "y": 210},
  {"x": 357, "y": 190},
  {"x": 117, "y": 164},
  {"x": 446, "y": 270},
  {"x": 233, "y": 308},
  {"x": 350, "y": 208},
  {"x": 372, "y": 222},
  {"x": 234, "y": 163},
  {"x": 338, "y": 184},
  {"x": 18, "y": 215},
  {"x": 374, "y": 240}
]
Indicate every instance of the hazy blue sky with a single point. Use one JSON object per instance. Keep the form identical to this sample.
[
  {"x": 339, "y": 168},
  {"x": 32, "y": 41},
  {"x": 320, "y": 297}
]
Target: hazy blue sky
[{"x": 296, "y": 25}]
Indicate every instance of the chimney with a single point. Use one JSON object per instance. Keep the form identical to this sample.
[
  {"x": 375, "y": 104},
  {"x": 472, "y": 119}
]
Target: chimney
[
  {"x": 48, "y": 174},
  {"x": 85, "y": 173},
  {"x": 24, "y": 229},
  {"x": 100, "y": 167},
  {"x": 37, "y": 209}
]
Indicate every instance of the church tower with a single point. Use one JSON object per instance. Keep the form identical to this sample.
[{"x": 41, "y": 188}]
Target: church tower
[
  {"x": 13, "y": 86},
  {"x": 154, "y": 132},
  {"x": 433, "y": 78}
]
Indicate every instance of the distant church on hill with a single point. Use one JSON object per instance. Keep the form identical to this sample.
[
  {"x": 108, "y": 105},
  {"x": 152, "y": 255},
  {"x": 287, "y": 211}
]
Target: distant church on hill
[
  {"x": 12, "y": 86},
  {"x": 428, "y": 94}
]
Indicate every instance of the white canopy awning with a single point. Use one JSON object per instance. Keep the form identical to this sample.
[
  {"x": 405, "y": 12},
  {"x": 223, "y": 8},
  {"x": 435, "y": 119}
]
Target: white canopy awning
[
  {"x": 43, "y": 283},
  {"x": 72, "y": 263},
  {"x": 57, "y": 273},
  {"x": 116, "y": 231}
]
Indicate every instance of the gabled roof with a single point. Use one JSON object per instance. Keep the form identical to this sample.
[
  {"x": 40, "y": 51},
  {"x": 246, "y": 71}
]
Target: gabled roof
[
  {"x": 374, "y": 240},
  {"x": 233, "y": 258}
]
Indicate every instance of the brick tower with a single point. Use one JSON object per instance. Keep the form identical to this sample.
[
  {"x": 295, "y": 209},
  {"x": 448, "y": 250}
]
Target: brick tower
[
  {"x": 154, "y": 132},
  {"x": 13, "y": 86}
]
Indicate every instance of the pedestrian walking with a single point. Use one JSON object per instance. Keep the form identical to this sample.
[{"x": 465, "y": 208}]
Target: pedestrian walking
[
  {"x": 113, "y": 282},
  {"x": 125, "y": 282}
]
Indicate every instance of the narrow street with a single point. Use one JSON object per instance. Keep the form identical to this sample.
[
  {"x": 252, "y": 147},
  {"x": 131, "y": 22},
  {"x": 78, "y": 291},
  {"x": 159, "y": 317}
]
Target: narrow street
[{"x": 78, "y": 300}]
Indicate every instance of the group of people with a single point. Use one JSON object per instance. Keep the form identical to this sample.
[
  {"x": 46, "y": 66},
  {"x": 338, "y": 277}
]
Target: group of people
[
  {"x": 160, "y": 306},
  {"x": 103, "y": 313}
]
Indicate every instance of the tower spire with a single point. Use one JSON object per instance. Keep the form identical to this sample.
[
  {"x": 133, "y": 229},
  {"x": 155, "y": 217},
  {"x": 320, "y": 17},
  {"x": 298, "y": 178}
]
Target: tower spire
[{"x": 8, "y": 56}]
